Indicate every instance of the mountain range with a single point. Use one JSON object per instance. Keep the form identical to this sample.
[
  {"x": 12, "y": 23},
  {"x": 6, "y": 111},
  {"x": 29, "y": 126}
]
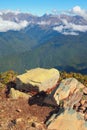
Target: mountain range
[{"x": 52, "y": 40}]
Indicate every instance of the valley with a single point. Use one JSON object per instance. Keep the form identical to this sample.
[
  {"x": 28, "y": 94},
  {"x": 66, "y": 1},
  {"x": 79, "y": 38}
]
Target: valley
[{"x": 42, "y": 44}]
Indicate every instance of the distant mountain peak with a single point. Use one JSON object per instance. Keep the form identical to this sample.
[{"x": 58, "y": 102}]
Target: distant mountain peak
[{"x": 66, "y": 24}]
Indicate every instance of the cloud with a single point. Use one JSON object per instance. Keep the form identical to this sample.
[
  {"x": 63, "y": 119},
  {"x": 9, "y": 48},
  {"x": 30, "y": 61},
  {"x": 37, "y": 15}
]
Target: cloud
[
  {"x": 70, "y": 33},
  {"x": 78, "y": 11},
  {"x": 15, "y": 12},
  {"x": 66, "y": 28},
  {"x": 69, "y": 28},
  {"x": 9, "y": 25}
]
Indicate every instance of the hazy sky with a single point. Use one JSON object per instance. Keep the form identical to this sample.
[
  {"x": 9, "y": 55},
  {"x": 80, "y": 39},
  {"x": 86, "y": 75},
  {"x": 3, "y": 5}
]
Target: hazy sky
[{"x": 39, "y": 7}]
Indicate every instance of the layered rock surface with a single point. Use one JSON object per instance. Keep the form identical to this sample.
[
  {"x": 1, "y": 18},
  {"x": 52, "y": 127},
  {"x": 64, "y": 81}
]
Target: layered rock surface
[
  {"x": 72, "y": 97},
  {"x": 67, "y": 86}
]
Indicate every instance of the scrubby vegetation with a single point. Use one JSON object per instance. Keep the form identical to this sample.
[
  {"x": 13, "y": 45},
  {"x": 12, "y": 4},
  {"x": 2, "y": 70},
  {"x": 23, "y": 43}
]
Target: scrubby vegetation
[
  {"x": 7, "y": 77},
  {"x": 78, "y": 76}
]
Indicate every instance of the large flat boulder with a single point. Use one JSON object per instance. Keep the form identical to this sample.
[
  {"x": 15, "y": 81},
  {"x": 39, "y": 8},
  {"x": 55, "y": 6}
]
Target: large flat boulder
[
  {"x": 38, "y": 79},
  {"x": 68, "y": 120}
]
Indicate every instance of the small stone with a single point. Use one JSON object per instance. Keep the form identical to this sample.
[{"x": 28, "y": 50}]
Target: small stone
[
  {"x": 85, "y": 117},
  {"x": 82, "y": 110},
  {"x": 82, "y": 102},
  {"x": 77, "y": 104},
  {"x": 33, "y": 124},
  {"x": 85, "y": 90},
  {"x": 19, "y": 120},
  {"x": 18, "y": 110},
  {"x": 85, "y": 104}
]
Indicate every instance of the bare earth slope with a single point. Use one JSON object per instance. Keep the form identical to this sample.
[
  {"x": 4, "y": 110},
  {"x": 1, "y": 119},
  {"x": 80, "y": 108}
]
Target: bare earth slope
[{"x": 19, "y": 115}]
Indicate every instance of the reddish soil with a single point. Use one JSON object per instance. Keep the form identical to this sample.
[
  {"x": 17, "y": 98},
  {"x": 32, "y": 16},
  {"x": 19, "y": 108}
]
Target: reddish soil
[{"x": 19, "y": 115}]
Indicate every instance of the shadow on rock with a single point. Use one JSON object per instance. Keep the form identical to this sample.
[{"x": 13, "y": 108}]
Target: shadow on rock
[
  {"x": 53, "y": 114},
  {"x": 41, "y": 99},
  {"x": 9, "y": 86},
  {"x": 37, "y": 98}
]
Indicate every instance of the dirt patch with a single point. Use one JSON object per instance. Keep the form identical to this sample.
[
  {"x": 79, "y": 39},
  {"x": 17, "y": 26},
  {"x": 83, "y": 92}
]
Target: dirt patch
[{"x": 19, "y": 115}]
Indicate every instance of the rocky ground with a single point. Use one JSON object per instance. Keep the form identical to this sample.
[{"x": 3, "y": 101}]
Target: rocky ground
[
  {"x": 17, "y": 114},
  {"x": 64, "y": 103}
]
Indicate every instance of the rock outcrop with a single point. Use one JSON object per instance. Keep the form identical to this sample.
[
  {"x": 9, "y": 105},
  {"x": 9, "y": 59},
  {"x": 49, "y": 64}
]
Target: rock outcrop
[
  {"x": 67, "y": 98},
  {"x": 67, "y": 86},
  {"x": 68, "y": 120},
  {"x": 38, "y": 79},
  {"x": 73, "y": 97}
]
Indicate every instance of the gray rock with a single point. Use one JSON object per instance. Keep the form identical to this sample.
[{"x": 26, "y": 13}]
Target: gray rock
[
  {"x": 67, "y": 87},
  {"x": 68, "y": 120}
]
